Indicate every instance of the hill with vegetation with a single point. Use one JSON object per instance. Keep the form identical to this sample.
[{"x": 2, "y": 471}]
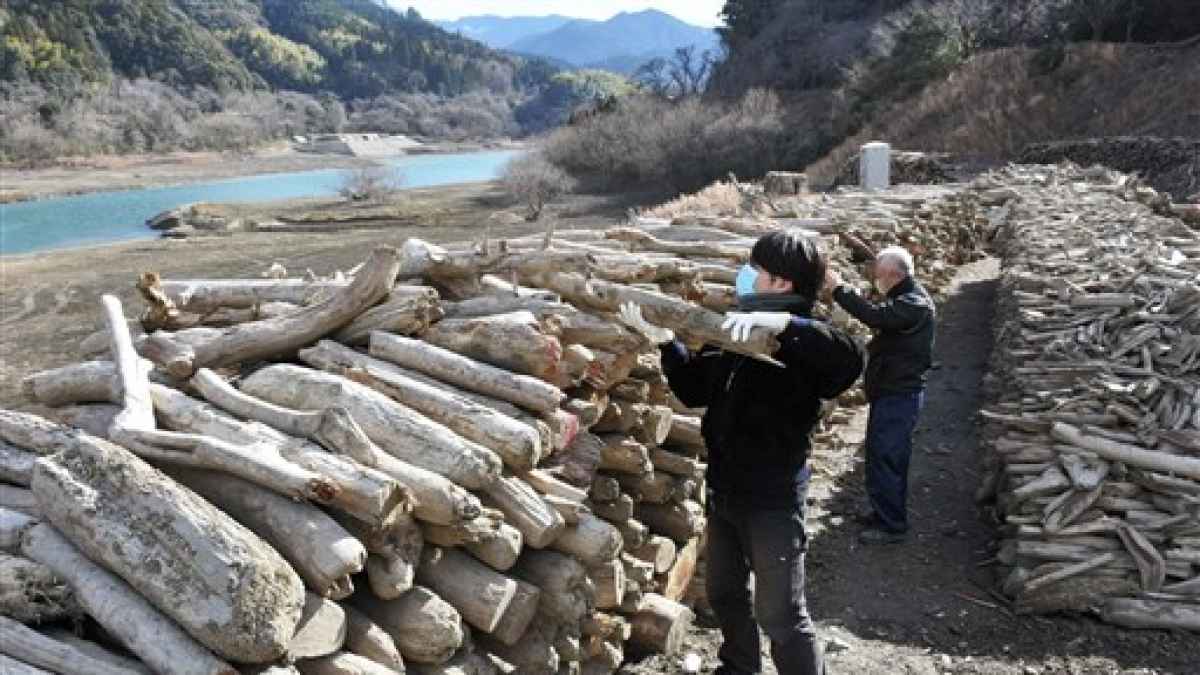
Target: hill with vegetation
[
  {"x": 499, "y": 32},
  {"x": 88, "y": 76},
  {"x": 972, "y": 77}
]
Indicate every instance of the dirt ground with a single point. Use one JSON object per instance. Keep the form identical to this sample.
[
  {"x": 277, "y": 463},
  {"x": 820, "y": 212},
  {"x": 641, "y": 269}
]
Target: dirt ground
[
  {"x": 126, "y": 172},
  {"x": 925, "y": 606}
]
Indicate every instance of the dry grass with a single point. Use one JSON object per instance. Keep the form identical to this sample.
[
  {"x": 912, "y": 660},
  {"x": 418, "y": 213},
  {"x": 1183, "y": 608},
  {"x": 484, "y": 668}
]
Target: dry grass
[
  {"x": 997, "y": 103},
  {"x": 718, "y": 199}
]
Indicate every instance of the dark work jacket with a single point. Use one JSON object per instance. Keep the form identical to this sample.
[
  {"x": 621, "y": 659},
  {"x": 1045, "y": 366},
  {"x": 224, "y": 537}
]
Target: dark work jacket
[
  {"x": 760, "y": 415},
  {"x": 901, "y": 352}
]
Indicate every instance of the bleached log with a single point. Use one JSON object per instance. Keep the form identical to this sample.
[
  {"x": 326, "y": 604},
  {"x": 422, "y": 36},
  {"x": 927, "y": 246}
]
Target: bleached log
[
  {"x": 618, "y": 510},
  {"x": 578, "y": 463},
  {"x": 660, "y": 626},
  {"x": 680, "y": 521},
  {"x": 623, "y": 454},
  {"x": 395, "y": 428},
  {"x": 96, "y": 651},
  {"x": 500, "y": 550},
  {"x": 204, "y": 296},
  {"x": 250, "y": 616},
  {"x": 609, "y": 581},
  {"x": 641, "y": 240},
  {"x": 633, "y": 533},
  {"x": 523, "y": 390},
  {"x": 518, "y": 445},
  {"x": 395, "y": 552},
  {"x": 525, "y": 510},
  {"x": 321, "y": 631},
  {"x": 321, "y": 551},
  {"x": 16, "y": 464},
  {"x": 604, "y": 489},
  {"x": 685, "y": 434},
  {"x": 137, "y": 409},
  {"x": 659, "y": 551},
  {"x": 654, "y": 488},
  {"x": 11, "y": 666},
  {"x": 121, "y": 610},
  {"x": 1131, "y": 455},
  {"x": 469, "y": 660},
  {"x": 35, "y": 649},
  {"x": 689, "y": 320},
  {"x": 369, "y": 640},
  {"x": 343, "y": 663},
  {"x": 88, "y": 382},
  {"x": 404, "y": 315},
  {"x": 571, "y": 511},
  {"x": 283, "y": 335},
  {"x": 422, "y": 259},
  {"x": 637, "y": 571},
  {"x": 566, "y": 590},
  {"x": 533, "y": 653},
  {"x": 480, "y": 594},
  {"x": 19, "y": 499},
  {"x": 514, "y": 342},
  {"x": 32, "y": 594},
  {"x": 1135, "y": 613},
  {"x": 12, "y": 525},
  {"x": 593, "y": 541},
  {"x": 426, "y": 628},
  {"x": 676, "y": 464},
  {"x": 520, "y": 613},
  {"x": 551, "y": 486},
  {"x": 676, "y": 580}
]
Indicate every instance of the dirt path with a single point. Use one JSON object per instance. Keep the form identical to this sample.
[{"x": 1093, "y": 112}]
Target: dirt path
[{"x": 926, "y": 606}]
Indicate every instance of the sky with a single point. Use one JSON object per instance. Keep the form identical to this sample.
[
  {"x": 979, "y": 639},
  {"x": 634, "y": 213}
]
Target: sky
[{"x": 698, "y": 12}]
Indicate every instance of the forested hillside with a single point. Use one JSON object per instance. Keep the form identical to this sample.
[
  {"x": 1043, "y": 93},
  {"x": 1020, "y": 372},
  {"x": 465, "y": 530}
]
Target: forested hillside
[{"x": 89, "y": 76}]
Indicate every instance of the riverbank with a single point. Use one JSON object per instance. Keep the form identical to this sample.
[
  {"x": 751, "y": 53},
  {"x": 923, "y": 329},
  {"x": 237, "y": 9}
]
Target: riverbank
[{"x": 76, "y": 176}]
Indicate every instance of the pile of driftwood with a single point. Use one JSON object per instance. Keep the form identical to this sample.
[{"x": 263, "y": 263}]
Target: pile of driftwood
[
  {"x": 452, "y": 458},
  {"x": 1094, "y": 435}
]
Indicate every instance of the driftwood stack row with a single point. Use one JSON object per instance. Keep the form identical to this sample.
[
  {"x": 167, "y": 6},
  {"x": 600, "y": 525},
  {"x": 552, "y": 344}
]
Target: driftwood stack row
[
  {"x": 454, "y": 460},
  {"x": 1094, "y": 452}
]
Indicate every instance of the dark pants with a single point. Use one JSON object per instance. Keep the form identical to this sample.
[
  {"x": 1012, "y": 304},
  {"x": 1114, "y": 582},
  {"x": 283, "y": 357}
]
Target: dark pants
[
  {"x": 772, "y": 544},
  {"x": 889, "y": 449}
]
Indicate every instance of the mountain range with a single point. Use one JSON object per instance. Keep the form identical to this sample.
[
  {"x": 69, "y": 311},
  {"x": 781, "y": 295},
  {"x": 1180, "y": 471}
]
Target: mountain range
[{"x": 620, "y": 44}]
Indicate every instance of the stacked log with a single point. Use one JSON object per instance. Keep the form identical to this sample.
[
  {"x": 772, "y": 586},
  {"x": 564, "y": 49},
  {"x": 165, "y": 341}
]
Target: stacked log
[
  {"x": 456, "y": 459},
  {"x": 1093, "y": 454}
]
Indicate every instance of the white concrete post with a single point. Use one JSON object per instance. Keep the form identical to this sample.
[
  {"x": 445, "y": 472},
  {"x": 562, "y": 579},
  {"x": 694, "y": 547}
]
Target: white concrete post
[{"x": 874, "y": 166}]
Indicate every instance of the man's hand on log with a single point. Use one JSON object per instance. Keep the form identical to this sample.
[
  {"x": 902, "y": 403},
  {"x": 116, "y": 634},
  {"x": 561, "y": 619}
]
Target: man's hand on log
[
  {"x": 740, "y": 324},
  {"x": 631, "y": 316}
]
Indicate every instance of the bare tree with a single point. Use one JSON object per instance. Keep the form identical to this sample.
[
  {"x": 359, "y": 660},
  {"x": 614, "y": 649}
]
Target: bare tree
[
  {"x": 533, "y": 181},
  {"x": 682, "y": 75},
  {"x": 371, "y": 184}
]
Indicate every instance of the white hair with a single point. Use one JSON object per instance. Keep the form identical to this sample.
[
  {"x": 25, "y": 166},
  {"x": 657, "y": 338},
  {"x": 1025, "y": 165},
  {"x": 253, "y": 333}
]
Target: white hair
[{"x": 899, "y": 256}]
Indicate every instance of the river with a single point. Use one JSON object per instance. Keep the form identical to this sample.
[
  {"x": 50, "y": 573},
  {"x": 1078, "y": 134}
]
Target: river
[{"x": 106, "y": 217}]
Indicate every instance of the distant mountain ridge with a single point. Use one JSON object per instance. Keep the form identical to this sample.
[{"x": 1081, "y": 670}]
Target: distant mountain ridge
[
  {"x": 620, "y": 44},
  {"x": 498, "y": 32}
]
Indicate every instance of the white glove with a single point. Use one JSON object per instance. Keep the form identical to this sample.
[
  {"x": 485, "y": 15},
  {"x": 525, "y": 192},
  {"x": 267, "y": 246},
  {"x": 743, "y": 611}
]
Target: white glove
[
  {"x": 631, "y": 316},
  {"x": 740, "y": 324}
]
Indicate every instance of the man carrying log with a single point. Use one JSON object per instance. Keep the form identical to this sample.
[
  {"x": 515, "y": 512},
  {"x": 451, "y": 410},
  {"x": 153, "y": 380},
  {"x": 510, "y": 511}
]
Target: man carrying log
[
  {"x": 756, "y": 428},
  {"x": 900, "y": 355}
]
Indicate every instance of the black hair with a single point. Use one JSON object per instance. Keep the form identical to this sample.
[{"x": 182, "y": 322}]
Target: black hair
[{"x": 794, "y": 256}]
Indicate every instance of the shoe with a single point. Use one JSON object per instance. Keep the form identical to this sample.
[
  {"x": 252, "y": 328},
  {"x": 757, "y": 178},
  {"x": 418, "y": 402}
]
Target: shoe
[{"x": 874, "y": 535}]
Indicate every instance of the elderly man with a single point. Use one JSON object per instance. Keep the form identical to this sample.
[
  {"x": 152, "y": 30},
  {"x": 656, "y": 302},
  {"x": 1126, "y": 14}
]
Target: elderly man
[{"x": 899, "y": 358}]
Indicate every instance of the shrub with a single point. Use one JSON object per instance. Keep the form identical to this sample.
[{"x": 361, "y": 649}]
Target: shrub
[
  {"x": 533, "y": 181},
  {"x": 371, "y": 184}
]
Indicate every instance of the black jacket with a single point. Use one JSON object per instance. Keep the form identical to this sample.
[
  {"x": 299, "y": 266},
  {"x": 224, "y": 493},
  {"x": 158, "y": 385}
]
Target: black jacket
[
  {"x": 901, "y": 352},
  {"x": 760, "y": 415}
]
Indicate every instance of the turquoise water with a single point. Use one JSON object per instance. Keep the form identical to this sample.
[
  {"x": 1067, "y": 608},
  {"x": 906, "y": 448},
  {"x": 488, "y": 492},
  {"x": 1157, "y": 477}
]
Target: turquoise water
[{"x": 106, "y": 217}]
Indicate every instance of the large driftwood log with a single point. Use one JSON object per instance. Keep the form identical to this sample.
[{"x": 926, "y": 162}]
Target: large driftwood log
[
  {"x": 368, "y": 639},
  {"x": 137, "y": 409},
  {"x": 88, "y": 382},
  {"x": 321, "y": 631},
  {"x": 276, "y": 461},
  {"x": 593, "y": 541},
  {"x": 518, "y": 445},
  {"x": 205, "y": 296},
  {"x": 566, "y": 590},
  {"x": 18, "y": 499},
  {"x": 641, "y": 240},
  {"x": 480, "y": 594},
  {"x": 33, "y": 648},
  {"x": 658, "y": 550},
  {"x": 514, "y": 342},
  {"x": 32, "y": 594},
  {"x": 404, "y": 315},
  {"x": 680, "y": 521},
  {"x": 539, "y": 523},
  {"x": 96, "y": 651},
  {"x": 395, "y": 553},
  {"x": 283, "y": 335},
  {"x": 121, "y": 610},
  {"x": 660, "y": 626},
  {"x": 679, "y": 577},
  {"x": 533, "y": 653},
  {"x": 1135, "y": 613},
  {"x": 1133, "y": 456},
  {"x": 12, "y": 525},
  {"x": 523, "y": 390},
  {"x": 520, "y": 613},
  {"x": 689, "y": 320},
  {"x": 500, "y": 549},
  {"x": 224, "y": 585},
  {"x": 426, "y": 628},
  {"x": 322, "y": 552},
  {"x": 343, "y": 663},
  {"x": 16, "y": 464},
  {"x": 11, "y": 666},
  {"x": 397, "y": 429},
  {"x": 551, "y": 486}
]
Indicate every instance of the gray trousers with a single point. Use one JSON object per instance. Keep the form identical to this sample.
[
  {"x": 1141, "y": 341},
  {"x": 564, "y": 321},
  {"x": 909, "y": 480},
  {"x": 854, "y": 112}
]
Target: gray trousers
[{"x": 772, "y": 544}]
